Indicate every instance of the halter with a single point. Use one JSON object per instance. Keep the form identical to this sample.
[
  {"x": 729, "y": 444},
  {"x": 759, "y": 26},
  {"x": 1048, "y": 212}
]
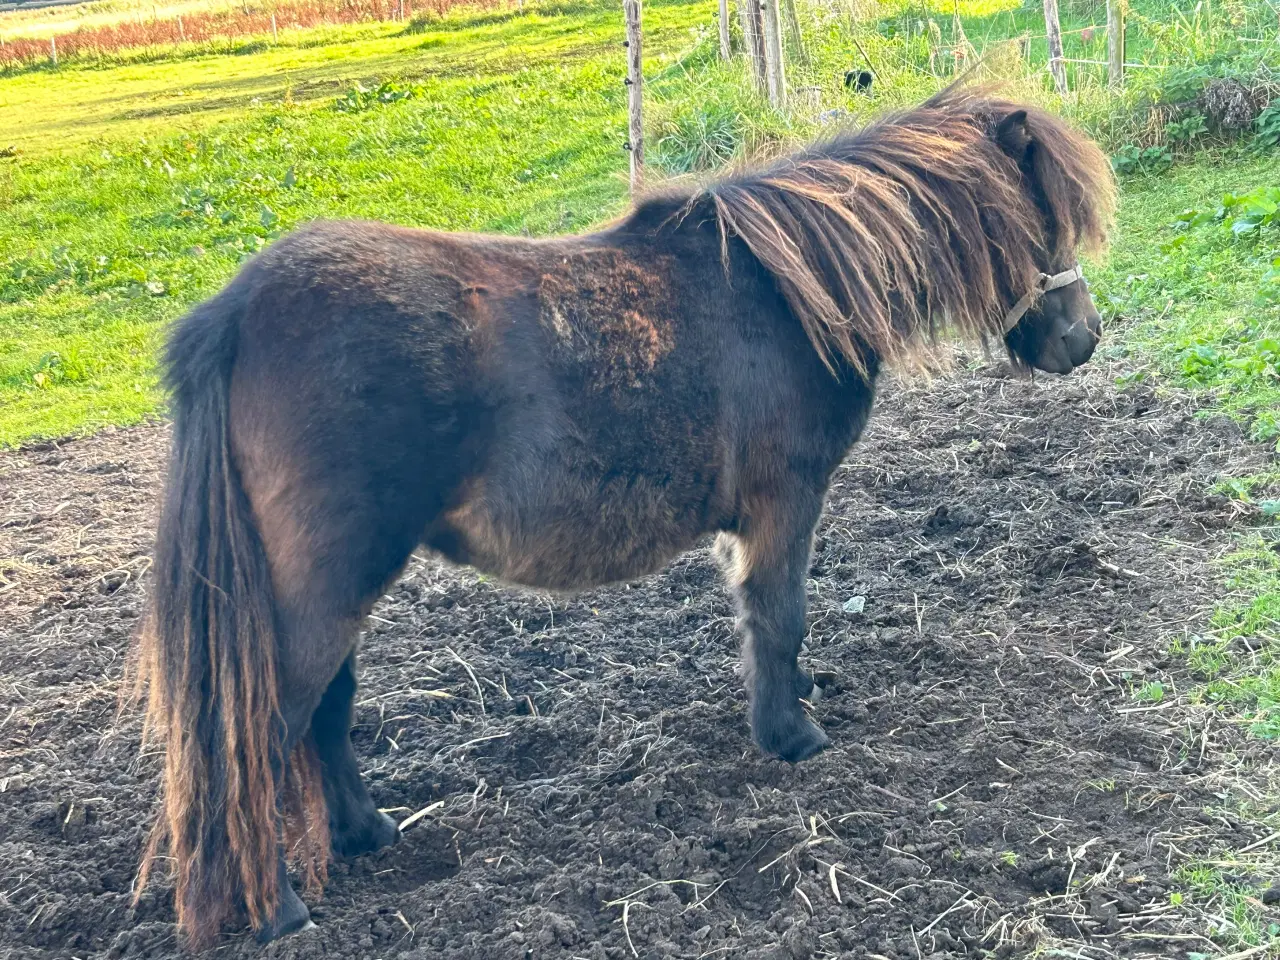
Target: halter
[{"x": 1044, "y": 283}]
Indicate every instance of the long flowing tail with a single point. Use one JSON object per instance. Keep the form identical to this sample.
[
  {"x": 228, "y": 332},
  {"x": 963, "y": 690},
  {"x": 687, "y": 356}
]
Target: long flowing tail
[{"x": 207, "y": 658}]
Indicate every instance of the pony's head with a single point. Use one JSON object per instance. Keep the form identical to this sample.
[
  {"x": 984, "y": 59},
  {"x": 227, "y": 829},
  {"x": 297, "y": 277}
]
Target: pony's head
[
  {"x": 967, "y": 212},
  {"x": 1055, "y": 325}
]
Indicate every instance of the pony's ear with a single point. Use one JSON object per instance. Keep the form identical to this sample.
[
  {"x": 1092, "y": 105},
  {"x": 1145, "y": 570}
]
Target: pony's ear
[{"x": 1012, "y": 135}]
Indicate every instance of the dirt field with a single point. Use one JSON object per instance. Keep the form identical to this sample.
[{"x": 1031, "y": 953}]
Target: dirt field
[{"x": 1024, "y": 551}]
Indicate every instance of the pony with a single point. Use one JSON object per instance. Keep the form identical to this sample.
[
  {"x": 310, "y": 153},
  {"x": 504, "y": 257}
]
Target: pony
[{"x": 559, "y": 413}]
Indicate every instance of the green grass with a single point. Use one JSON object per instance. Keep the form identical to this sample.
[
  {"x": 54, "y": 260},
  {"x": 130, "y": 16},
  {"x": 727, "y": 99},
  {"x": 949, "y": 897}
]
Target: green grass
[
  {"x": 1192, "y": 303},
  {"x": 1192, "y": 307},
  {"x": 1240, "y": 919},
  {"x": 1237, "y": 660},
  {"x": 102, "y": 244},
  {"x": 47, "y": 111}
]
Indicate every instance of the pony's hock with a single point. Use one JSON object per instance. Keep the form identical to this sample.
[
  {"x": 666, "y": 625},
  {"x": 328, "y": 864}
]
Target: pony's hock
[{"x": 557, "y": 413}]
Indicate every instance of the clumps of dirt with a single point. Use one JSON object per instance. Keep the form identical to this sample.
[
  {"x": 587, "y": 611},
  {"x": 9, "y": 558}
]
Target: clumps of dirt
[
  {"x": 612, "y": 317},
  {"x": 580, "y": 770}
]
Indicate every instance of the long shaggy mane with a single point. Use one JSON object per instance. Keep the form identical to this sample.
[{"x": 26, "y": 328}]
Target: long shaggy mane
[{"x": 922, "y": 220}]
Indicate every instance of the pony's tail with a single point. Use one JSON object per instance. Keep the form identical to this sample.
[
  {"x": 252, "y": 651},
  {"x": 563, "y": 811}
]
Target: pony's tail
[{"x": 206, "y": 657}]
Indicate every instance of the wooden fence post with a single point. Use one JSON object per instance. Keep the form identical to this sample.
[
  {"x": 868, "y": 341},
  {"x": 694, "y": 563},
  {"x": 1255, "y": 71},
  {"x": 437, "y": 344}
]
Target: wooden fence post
[
  {"x": 274, "y": 36},
  {"x": 635, "y": 92},
  {"x": 793, "y": 21},
  {"x": 182, "y": 33},
  {"x": 774, "y": 70},
  {"x": 1053, "y": 30},
  {"x": 753, "y": 39},
  {"x": 725, "y": 51},
  {"x": 53, "y": 49},
  {"x": 1115, "y": 44}
]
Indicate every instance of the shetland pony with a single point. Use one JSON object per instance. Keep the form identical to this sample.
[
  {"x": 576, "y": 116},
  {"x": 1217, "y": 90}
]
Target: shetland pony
[{"x": 560, "y": 413}]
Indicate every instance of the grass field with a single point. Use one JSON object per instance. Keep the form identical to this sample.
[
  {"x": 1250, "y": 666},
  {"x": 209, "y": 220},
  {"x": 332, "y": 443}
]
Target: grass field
[
  {"x": 137, "y": 189},
  {"x": 104, "y": 241},
  {"x": 51, "y": 20}
]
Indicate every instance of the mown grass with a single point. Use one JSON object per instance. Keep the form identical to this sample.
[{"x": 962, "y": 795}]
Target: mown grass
[
  {"x": 102, "y": 244},
  {"x": 1193, "y": 307},
  {"x": 50, "y": 111}
]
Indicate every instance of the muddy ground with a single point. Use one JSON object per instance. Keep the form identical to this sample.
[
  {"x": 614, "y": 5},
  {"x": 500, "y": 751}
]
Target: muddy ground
[{"x": 1023, "y": 551}]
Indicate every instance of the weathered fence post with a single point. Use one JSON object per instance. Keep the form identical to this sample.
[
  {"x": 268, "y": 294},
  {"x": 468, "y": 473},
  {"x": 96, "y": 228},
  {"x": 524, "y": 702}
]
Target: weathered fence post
[
  {"x": 774, "y": 70},
  {"x": 793, "y": 20},
  {"x": 274, "y": 35},
  {"x": 1053, "y": 30},
  {"x": 1115, "y": 44},
  {"x": 53, "y": 50},
  {"x": 725, "y": 51},
  {"x": 753, "y": 39},
  {"x": 182, "y": 33},
  {"x": 635, "y": 92}
]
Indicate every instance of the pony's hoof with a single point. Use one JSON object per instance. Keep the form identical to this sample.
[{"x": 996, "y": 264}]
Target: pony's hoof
[
  {"x": 789, "y": 734},
  {"x": 375, "y": 833},
  {"x": 291, "y": 917}
]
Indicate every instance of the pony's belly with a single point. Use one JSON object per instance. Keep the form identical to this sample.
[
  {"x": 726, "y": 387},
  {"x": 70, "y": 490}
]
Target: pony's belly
[{"x": 564, "y": 544}]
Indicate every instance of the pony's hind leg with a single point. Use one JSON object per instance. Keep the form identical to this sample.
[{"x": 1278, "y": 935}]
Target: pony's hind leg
[
  {"x": 326, "y": 578},
  {"x": 356, "y": 825},
  {"x": 314, "y": 649},
  {"x": 766, "y": 563}
]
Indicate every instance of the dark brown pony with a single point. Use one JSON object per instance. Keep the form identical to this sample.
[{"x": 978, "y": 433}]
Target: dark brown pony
[{"x": 560, "y": 413}]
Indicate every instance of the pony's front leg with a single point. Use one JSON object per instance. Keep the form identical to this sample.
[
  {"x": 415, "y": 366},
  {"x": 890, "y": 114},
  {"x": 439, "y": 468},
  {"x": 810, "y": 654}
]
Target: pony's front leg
[{"x": 766, "y": 564}]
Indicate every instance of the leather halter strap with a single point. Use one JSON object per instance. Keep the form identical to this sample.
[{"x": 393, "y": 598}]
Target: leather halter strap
[{"x": 1044, "y": 283}]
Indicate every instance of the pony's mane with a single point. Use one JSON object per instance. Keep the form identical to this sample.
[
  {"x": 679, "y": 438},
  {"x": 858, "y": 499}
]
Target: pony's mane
[{"x": 923, "y": 219}]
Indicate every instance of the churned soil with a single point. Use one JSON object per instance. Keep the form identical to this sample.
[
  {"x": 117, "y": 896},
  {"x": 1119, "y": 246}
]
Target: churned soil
[{"x": 1003, "y": 563}]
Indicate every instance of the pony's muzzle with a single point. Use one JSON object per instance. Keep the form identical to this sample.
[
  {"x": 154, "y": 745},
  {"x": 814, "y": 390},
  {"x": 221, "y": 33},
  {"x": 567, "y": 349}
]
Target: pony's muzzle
[{"x": 1082, "y": 339}]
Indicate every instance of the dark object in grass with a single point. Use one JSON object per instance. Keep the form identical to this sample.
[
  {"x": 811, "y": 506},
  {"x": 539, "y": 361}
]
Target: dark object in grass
[
  {"x": 859, "y": 81},
  {"x": 559, "y": 413}
]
